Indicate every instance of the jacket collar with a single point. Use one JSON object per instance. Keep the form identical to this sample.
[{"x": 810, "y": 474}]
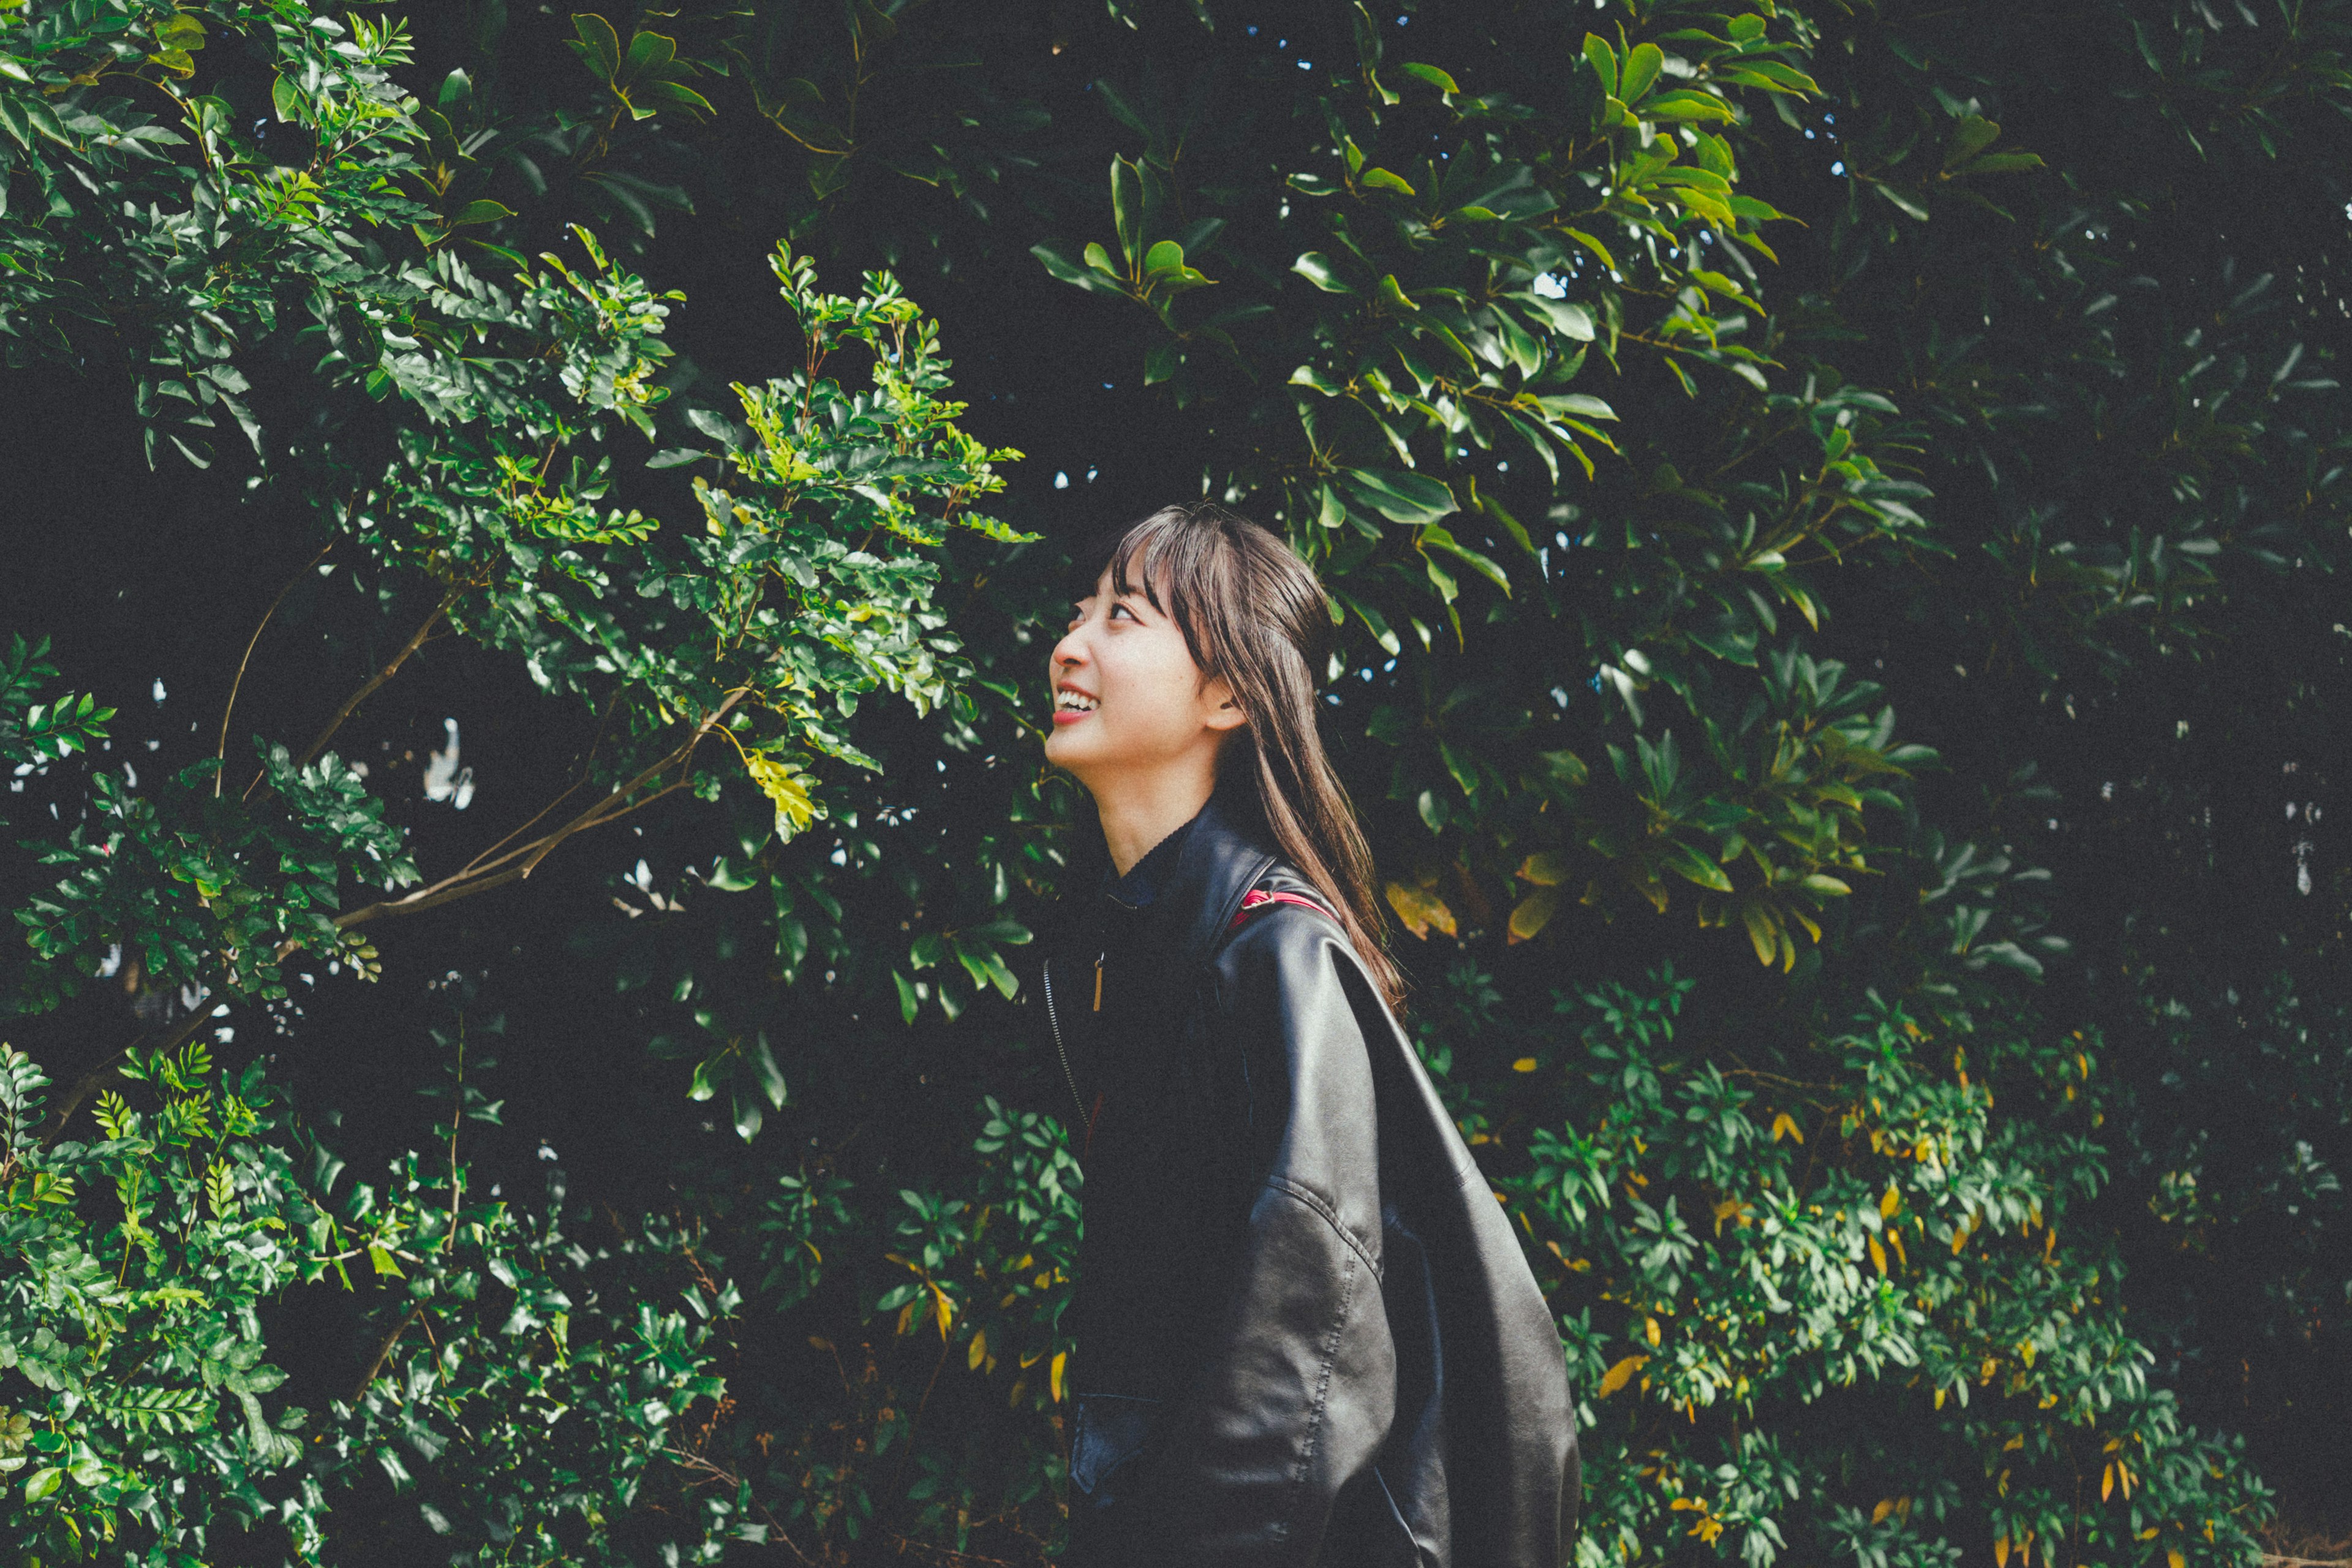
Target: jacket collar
[{"x": 1220, "y": 861}]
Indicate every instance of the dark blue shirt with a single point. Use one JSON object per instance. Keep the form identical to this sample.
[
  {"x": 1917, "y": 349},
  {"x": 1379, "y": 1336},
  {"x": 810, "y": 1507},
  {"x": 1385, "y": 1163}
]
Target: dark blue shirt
[{"x": 1145, "y": 877}]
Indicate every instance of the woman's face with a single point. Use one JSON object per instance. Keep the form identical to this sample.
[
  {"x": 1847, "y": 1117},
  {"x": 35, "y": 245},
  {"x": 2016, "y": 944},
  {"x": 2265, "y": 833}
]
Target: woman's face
[{"x": 1127, "y": 698}]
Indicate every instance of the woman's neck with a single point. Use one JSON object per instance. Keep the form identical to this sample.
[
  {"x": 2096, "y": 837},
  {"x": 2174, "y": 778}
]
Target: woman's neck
[{"x": 1136, "y": 813}]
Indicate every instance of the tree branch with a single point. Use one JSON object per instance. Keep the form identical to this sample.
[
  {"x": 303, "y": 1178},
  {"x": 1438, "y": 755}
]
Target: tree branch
[
  {"x": 385, "y": 1351},
  {"x": 479, "y": 875},
  {"x": 220, "y": 753},
  {"x": 369, "y": 688},
  {"x": 689, "y": 1460}
]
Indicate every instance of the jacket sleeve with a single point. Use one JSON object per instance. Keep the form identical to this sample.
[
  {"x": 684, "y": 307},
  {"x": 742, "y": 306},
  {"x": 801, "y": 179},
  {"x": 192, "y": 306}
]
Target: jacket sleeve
[{"x": 1296, "y": 1390}]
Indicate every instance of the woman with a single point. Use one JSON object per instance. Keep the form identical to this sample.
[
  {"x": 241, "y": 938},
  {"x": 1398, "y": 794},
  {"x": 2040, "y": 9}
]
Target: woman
[{"x": 1306, "y": 1333}]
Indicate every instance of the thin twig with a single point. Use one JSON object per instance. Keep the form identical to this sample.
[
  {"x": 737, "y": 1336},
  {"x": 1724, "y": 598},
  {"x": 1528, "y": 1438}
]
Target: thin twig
[
  {"x": 456, "y": 1115},
  {"x": 587, "y": 764},
  {"x": 465, "y": 885},
  {"x": 370, "y": 688},
  {"x": 519, "y": 862},
  {"x": 220, "y": 753},
  {"x": 907, "y": 1450},
  {"x": 693, "y": 1461},
  {"x": 392, "y": 667},
  {"x": 947, "y": 1554},
  {"x": 385, "y": 1351}
]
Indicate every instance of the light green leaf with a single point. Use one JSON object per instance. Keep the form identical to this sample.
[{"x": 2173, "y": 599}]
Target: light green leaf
[
  {"x": 1316, "y": 269},
  {"x": 1401, "y": 497},
  {"x": 1604, "y": 61},
  {"x": 1642, "y": 68}
]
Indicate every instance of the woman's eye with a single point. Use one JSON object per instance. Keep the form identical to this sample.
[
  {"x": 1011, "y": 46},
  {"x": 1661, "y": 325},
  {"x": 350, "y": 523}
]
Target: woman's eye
[{"x": 1119, "y": 610}]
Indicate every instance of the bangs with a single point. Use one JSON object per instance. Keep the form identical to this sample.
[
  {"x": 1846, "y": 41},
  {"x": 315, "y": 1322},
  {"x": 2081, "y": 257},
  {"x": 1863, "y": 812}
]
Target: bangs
[
  {"x": 1168, "y": 547},
  {"x": 1184, "y": 552}
]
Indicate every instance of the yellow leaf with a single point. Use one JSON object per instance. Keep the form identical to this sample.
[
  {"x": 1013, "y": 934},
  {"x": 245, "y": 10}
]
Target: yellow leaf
[
  {"x": 2174, "y": 1559},
  {"x": 1533, "y": 913},
  {"x": 783, "y": 783},
  {"x": 1419, "y": 910},
  {"x": 979, "y": 1351},
  {"x": 1548, "y": 869},
  {"x": 2107, "y": 1484},
  {"x": 1618, "y": 1376},
  {"x": 1890, "y": 1203},
  {"x": 1885, "y": 1506},
  {"x": 944, "y": 1309},
  {"x": 1877, "y": 1254},
  {"x": 2001, "y": 1552},
  {"x": 1525, "y": 1064},
  {"x": 1054, "y": 1374},
  {"x": 1649, "y": 1329},
  {"x": 1784, "y": 1124}
]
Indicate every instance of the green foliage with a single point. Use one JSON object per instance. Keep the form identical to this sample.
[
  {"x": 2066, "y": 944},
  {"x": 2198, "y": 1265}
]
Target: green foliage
[
  {"x": 1730, "y": 1239},
  {"x": 36, "y": 732},
  {"x": 1658, "y": 476},
  {"x": 134, "y": 1269},
  {"x": 123, "y": 183},
  {"x": 535, "y": 1373},
  {"x": 204, "y": 892}
]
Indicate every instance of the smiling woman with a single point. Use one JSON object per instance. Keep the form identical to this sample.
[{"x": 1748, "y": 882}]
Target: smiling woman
[
  {"x": 1204, "y": 628},
  {"x": 1284, "y": 1237},
  {"x": 1135, "y": 718}
]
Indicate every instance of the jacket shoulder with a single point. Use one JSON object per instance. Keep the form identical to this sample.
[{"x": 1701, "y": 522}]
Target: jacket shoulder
[{"x": 1283, "y": 919}]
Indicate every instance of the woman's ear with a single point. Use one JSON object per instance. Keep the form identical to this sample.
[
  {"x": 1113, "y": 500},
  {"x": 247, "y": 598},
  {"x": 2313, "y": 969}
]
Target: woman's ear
[{"x": 1220, "y": 708}]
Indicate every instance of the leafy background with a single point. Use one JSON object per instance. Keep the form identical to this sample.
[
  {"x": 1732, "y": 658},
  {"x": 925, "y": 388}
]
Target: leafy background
[{"x": 543, "y": 527}]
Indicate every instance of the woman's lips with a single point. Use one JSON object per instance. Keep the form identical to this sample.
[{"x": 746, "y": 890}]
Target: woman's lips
[{"x": 1069, "y": 716}]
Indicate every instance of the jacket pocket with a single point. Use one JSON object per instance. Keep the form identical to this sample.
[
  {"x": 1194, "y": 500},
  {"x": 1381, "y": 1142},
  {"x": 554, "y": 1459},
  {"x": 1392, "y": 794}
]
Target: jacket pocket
[{"x": 1112, "y": 1429}]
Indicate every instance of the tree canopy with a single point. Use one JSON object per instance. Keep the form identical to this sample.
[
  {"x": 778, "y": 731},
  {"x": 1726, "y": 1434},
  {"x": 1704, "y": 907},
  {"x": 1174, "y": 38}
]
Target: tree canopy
[{"x": 522, "y": 677}]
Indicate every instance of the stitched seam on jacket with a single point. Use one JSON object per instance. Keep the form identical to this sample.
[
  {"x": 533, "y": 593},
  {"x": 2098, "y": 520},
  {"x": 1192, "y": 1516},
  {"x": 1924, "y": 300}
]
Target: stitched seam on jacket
[
  {"x": 1325, "y": 1211},
  {"x": 1323, "y": 1390}
]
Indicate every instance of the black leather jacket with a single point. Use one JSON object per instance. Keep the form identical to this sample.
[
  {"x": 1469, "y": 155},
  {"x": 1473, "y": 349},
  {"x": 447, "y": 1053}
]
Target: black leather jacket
[{"x": 1305, "y": 1331}]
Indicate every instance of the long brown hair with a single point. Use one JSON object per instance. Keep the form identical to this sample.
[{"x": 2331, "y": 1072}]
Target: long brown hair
[{"x": 1254, "y": 614}]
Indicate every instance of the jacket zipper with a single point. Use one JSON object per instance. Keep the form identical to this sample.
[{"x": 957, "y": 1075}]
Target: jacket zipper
[{"x": 1054, "y": 1022}]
